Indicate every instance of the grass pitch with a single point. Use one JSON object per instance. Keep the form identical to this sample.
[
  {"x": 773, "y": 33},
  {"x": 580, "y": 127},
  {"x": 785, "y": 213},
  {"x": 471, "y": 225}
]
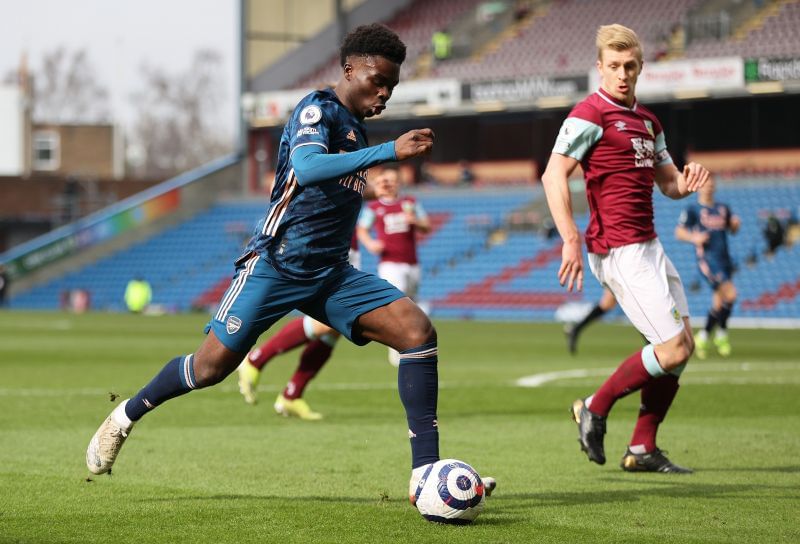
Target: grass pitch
[{"x": 208, "y": 468}]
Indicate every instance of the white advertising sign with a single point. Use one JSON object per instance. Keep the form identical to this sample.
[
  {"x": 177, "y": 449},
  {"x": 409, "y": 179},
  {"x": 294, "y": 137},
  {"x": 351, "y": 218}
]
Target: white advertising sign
[{"x": 686, "y": 75}]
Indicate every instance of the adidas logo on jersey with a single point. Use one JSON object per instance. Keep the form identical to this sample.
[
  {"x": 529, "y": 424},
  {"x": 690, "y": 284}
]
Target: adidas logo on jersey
[{"x": 351, "y": 135}]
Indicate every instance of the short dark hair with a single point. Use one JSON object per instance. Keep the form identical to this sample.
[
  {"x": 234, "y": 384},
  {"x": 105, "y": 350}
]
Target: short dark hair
[{"x": 374, "y": 39}]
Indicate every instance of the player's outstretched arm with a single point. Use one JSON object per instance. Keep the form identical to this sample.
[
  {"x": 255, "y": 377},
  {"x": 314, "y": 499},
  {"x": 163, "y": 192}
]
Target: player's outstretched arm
[
  {"x": 313, "y": 165},
  {"x": 675, "y": 184},
  {"x": 556, "y": 188}
]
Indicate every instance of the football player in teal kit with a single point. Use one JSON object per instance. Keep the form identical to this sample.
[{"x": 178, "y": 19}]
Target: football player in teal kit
[{"x": 298, "y": 256}]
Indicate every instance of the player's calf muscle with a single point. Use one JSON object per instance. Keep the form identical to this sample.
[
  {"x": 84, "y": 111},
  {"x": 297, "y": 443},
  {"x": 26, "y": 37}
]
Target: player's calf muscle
[{"x": 213, "y": 362}]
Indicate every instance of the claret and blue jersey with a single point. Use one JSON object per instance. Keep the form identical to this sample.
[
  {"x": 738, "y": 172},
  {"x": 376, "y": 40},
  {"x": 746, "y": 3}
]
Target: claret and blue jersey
[{"x": 619, "y": 148}]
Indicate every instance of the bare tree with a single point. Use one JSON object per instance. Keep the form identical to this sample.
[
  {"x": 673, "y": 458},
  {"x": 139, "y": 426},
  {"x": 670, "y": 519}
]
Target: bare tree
[
  {"x": 177, "y": 117},
  {"x": 66, "y": 90}
]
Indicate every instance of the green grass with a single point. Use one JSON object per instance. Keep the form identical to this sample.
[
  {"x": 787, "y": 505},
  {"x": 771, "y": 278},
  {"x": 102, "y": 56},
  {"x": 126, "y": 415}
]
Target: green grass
[{"x": 208, "y": 468}]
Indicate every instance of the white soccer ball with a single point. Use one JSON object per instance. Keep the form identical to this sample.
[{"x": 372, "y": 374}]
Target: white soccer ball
[{"x": 450, "y": 491}]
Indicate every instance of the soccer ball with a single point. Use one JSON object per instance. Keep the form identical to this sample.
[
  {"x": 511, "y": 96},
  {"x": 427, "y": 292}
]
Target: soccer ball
[{"x": 450, "y": 491}]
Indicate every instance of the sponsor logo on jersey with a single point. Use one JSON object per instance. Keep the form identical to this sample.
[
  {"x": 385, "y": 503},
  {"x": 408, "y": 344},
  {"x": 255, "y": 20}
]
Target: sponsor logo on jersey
[
  {"x": 310, "y": 115},
  {"x": 395, "y": 223},
  {"x": 676, "y": 315},
  {"x": 307, "y": 131},
  {"x": 233, "y": 324},
  {"x": 351, "y": 135},
  {"x": 644, "y": 152}
]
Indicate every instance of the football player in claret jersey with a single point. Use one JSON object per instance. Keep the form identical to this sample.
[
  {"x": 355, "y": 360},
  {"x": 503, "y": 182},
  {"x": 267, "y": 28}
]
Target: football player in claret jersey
[
  {"x": 622, "y": 150},
  {"x": 396, "y": 219},
  {"x": 706, "y": 225},
  {"x": 297, "y": 258}
]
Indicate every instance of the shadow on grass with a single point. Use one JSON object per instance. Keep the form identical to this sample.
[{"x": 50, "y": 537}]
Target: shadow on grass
[
  {"x": 688, "y": 490},
  {"x": 782, "y": 470},
  {"x": 282, "y": 498}
]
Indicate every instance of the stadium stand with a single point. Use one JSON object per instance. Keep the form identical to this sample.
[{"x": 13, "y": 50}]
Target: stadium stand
[
  {"x": 415, "y": 25},
  {"x": 559, "y": 40},
  {"x": 473, "y": 266},
  {"x": 539, "y": 48},
  {"x": 771, "y": 32},
  {"x": 476, "y": 263}
]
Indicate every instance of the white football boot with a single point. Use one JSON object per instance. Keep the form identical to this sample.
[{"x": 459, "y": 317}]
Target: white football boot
[{"x": 106, "y": 442}]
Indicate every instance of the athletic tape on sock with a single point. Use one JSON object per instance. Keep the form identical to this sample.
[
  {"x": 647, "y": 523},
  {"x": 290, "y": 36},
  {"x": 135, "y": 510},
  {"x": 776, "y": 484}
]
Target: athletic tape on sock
[
  {"x": 650, "y": 361},
  {"x": 308, "y": 327}
]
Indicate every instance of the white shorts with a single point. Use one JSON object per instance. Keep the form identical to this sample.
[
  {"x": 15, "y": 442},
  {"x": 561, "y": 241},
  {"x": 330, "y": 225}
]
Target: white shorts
[
  {"x": 647, "y": 287},
  {"x": 404, "y": 276},
  {"x": 354, "y": 257}
]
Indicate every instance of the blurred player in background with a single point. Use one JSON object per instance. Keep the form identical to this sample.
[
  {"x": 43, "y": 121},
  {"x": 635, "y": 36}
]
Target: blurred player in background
[
  {"x": 706, "y": 225},
  {"x": 622, "y": 149},
  {"x": 298, "y": 258},
  {"x": 396, "y": 219},
  {"x": 138, "y": 295},
  {"x": 319, "y": 339},
  {"x": 603, "y": 306}
]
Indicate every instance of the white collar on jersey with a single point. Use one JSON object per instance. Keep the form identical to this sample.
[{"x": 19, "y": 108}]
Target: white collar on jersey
[{"x": 613, "y": 101}]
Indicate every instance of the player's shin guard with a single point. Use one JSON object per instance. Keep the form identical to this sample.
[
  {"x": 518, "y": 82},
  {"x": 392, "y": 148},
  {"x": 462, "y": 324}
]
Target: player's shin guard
[
  {"x": 175, "y": 379},
  {"x": 657, "y": 397},
  {"x": 418, "y": 384}
]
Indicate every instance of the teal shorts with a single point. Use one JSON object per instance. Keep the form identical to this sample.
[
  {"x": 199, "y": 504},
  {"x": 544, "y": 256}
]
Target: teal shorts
[{"x": 259, "y": 296}]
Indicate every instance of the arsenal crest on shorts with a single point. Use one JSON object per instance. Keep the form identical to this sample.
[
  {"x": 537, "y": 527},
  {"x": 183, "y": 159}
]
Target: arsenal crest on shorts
[{"x": 233, "y": 324}]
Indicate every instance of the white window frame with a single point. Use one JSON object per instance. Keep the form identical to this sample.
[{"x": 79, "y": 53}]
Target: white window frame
[{"x": 46, "y": 139}]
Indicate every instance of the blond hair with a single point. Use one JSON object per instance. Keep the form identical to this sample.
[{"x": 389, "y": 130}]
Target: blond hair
[{"x": 618, "y": 38}]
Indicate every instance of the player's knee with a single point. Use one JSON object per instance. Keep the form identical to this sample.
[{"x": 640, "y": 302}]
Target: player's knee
[
  {"x": 422, "y": 333},
  {"x": 208, "y": 373},
  {"x": 676, "y": 355}
]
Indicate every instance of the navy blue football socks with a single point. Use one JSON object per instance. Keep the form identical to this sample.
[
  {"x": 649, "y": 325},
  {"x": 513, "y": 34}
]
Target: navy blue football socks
[
  {"x": 175, "y": 379},
  {"x": 723, "y": 314},
  {"x": 418, "y": 384},
  {"x": 711, "y": 320}
]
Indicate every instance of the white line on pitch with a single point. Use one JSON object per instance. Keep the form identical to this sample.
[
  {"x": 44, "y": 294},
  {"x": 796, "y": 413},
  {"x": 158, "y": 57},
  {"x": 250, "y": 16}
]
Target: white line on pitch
[
  {"x": 377, "y": 386},
  {"x": 538, "y": 380}
]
